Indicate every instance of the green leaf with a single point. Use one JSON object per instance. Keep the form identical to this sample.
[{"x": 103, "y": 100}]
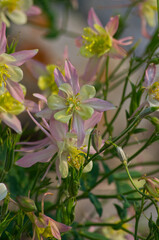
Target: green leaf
[
  {"x": 96, "y": 203},
  {"x": 92, "y": 235},
  {"x": 107, "y": 170},
  {"x": 122, "y": 212}
]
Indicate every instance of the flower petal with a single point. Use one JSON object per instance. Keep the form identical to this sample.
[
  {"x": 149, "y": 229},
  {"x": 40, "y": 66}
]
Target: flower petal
[
  {"x": 88, "y": 167},
  {"x": 41, "y": 156},
  {"x": 90, "y": 123},
  {"x": 12, "y": 121},
  {"x": 117, "y": 51},
  {"x": 17, "y": 16},
  {"x": 33, "y": 10},
  {"x": 150, "y": 75},
  {"x": 36, "y": 68},
  {"x": 31, "y": 106},
  {"x": 22, "y": 56},
  {"x": 3, "y": 40},
  {"x": 15, "y": 90},
  {"x": 59, "y": 78},
  {"x": 45, "y": 113},
  {"x": 86, "y": 92},
  {"x": 62, "y": 227},
  {"x": 3, "y": 191},
  {"x": 66, "y": 87},
  {"x": 91, "y": 69},
  {"x": 85, "y": 111},
  {"x": 16, "y": 74},
  {"x": 63, "y": 166},
  {"x": 93, "y": 19},
  {"x": 112, "y": 25},
  {"x": 71, "y": 76},
  {"x": 78, "y": 128},
  {"x": 99, "y": 105},
  {"x": 56, "y": 102},
  {"x": 58, "y": 129},
  {"x": 63, "y": 116},
  {"x": 40, "y": 96}
]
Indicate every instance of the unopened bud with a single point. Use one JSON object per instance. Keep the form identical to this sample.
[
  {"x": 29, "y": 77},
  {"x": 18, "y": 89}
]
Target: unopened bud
[
  {"x": 3, "y": 191},
  {"x": 96, "y": 140},
  {"x": 121, "y": 154},
  {"x": 26, "y": 204},
  {"x": 152, "y": 186}
]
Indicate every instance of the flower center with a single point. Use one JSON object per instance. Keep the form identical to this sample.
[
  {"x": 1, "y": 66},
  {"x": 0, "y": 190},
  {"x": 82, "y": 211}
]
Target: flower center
[
  {"x": 154, "y": 91},
  {"x": 73, "y": 103},
  {"x": 76, "y": 157},
  {"x": 10, "y": 105},
  {"x": 95, "y": 43},
  {"x": 11, "y": 5},
  {"x": 3, "y": 74}
]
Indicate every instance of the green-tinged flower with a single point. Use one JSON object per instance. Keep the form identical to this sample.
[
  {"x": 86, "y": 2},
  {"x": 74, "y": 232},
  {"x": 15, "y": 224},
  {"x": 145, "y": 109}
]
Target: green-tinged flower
[
  {"x": 149, "y": 10},
  {"x": 3, "y": 191},
  {"x": 96, "y": 42},
  {"x": 152, "y": 186},
  {"x": 47, "y": 82},
  {"x": 10, "y": 105},
  {"x": 76, "y": 157}
]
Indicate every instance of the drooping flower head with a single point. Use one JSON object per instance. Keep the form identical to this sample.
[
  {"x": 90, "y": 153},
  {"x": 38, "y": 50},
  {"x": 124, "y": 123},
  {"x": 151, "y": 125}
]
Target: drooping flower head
[
  {"x": 147, "y": 13},
  {"x": 152, "y": 186},
  {"x": 73, "y": 103},
  {"x": 151, "y": 84},
  {"x": 10, "y": 73},
  {"x": 98, "y": 40},
  {"x": 58, "y": 140},
  {"x": 17, "y": 11}
]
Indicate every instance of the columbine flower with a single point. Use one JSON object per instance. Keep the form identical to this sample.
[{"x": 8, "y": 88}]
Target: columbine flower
[
  {"x": 47, "y": 81},
  {"x": 98, "y": 40},
  {"x": 147, "y": 13},
  {"x": 3, "y": 191},
  {"x": 46, "y": 227},
  {"x": 75, "y": 104},
  {"x": 17, "y": 11},
  {"x": 10, "y": 73},
  {"x": 9, "y": 108},
  {"x": 151, "y": 84},
  {"x": 58, "y": 140},
  {"x": 152, "y": 186}
]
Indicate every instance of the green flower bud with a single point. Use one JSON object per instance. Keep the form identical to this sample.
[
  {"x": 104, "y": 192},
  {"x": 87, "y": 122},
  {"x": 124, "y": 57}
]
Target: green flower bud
[{"x": 26, "y": 204}]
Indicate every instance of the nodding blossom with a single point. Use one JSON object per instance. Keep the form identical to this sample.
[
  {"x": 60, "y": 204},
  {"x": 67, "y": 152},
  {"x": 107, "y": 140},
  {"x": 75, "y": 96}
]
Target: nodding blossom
[
  {"x": 3, "y": 191},
  {"x": 74, "y": 104},
  {"x": 98, "y": 41},
  {"x": 10, "y": 73},
  {"x": 58, "y": 140},
  {"x": 147, "y": 12},
  {"x": 17, "y": 11}
]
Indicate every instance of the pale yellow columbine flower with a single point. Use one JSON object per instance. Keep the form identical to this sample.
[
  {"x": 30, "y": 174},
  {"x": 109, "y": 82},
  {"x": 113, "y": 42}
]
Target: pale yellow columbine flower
[
  {"x": 47, "y": 81},
  {"x": 17, "y": 11}
]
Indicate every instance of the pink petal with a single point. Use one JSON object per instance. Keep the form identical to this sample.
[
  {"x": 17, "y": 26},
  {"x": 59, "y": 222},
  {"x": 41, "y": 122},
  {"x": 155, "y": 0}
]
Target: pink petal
[
  {"x": 3, "y": 40},
  {"x": 62, "y": 227},
  {"x": 12, "y": 121},
  {"x": 45, "y": 142},
  {"x": 150, "y": 75},
  {"x": 59, "y": 78},
  {"x": 34, "y": 10},
  {"x": 31, "y": 106},
  {"x": 78, "y": 128},
  {"x": 22, "y": 56},
  {"x": 45, "y": 113},
  {"x": 35, "y": 142},
  {"x": 58, "y": 129},
  {"x": 90, "y": 123},
  {"x": 40, "y": 96},
  {"x": 125, "y": 41},
  {"x": 143, "y": 25},
  {"x": 36, "y": 68},
  {"x": 117, "y": 51},
  {"x": 91, "y": 69},
  {"x": 93, "y": 19},
  {"x": 112, "y": 25},
  {"x": 15, "y": 90},
  {"x": 99, "y": 105},
  {"x": 71, "y": 76},
  {"x": 41, "y": 156}
]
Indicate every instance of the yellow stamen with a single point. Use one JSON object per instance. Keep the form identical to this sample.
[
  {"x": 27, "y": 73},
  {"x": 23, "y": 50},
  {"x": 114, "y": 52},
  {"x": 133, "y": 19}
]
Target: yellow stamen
[
  {"x": 11, "y": 5},
  {"x": 76, "y": 157},
  {"x": 73, "y": 103},
  {"x": 3, "y": 74},
  {"x": 154, "y": 91}
]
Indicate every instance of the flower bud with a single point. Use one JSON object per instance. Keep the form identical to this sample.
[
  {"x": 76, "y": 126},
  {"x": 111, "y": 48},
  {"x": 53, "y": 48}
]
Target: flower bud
[
  {"x": 121, "y": 154},
  {"x": 26, "y": 204},
  {"x": 152, "y": 186},
  {"x": 3, "y": 191}
]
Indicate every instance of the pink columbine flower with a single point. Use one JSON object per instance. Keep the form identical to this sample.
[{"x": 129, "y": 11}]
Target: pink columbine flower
[
  {"x": 10, "y": 73},
  {"x": 147, "y": 11},
  {"x": 58, "y": 140},
  {"x": 73, "y": 103},
  {"x": 98, "y": 41},
  {"x": 17, "y": 11}
]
